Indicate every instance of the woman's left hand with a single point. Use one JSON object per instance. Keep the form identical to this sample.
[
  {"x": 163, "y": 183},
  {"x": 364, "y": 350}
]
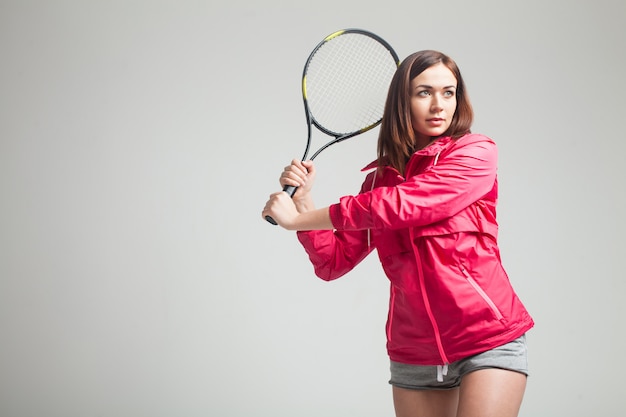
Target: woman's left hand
[{"x": 281, "y": 208}]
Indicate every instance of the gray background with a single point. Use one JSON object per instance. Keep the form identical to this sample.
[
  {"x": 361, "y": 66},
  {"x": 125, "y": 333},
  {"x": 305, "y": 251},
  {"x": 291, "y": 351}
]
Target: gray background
[{"x": 139, "y": 141}]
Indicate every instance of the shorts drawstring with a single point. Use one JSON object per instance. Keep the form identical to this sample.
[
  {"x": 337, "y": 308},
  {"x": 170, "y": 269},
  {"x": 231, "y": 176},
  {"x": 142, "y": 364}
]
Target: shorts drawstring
[{"x": 442, "y": 370}]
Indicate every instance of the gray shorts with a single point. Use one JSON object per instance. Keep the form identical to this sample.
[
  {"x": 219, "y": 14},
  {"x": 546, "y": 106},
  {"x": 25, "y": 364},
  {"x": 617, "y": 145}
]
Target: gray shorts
[{"x": 512, "y": 356}]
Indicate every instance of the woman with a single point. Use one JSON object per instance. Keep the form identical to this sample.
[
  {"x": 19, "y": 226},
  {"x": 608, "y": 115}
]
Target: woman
[{"x": 455, "y": 329}]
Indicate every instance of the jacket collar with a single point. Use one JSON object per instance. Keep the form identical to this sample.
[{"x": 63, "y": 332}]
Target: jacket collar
[
  {"x": 432, "y": 149},
  {"x": 435, "y": 147}
]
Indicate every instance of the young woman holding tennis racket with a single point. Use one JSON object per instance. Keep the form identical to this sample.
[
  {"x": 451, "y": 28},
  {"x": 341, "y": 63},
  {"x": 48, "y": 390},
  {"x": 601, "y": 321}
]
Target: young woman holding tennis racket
[{"x": 456, "y": 328}]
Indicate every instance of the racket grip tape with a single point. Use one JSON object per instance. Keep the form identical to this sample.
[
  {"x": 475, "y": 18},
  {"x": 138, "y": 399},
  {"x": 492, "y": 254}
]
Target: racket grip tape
[{"x": 289, "y": 189}]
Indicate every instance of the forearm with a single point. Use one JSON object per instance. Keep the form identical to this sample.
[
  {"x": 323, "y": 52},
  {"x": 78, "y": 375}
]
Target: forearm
[
  {"x": 317, "y": 219},
  {"x": 304, "y": 203}
]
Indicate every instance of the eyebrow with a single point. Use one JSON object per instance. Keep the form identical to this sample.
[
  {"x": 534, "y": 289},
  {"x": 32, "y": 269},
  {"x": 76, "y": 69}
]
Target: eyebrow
[{"x": 431, "y": 87}]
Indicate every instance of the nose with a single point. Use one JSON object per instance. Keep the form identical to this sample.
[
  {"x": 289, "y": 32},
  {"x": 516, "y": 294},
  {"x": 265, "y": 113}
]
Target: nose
[{"x": 435, "y": 105}]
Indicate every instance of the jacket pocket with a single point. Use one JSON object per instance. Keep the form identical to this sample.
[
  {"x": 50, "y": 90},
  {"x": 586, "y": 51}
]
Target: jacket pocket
[{"x": 482, "y": 294}]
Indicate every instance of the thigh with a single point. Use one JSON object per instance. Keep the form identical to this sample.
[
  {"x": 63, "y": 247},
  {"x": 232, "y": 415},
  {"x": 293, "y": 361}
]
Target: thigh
[
  {"x": 491, "y": 393},
  {"x": 425, "y": 403}
]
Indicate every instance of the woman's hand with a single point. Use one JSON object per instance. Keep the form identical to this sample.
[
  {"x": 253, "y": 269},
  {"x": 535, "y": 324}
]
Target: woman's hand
[
  {"x": 297, "y": 213},
  {"x": 282, "y": 209},
  {"x": 300, "y": 174}
]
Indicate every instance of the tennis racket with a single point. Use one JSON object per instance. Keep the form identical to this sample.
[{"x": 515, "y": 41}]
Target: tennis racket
[{"x": 344, "y": 87}]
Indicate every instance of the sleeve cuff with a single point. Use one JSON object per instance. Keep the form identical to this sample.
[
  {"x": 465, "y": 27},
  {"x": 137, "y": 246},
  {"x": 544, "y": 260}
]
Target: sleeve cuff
[{"x": 334, "y": 211}]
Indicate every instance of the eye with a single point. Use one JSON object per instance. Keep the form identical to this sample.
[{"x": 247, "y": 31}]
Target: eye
[
  {"x": 423, "y": 93},
  {"x": 449, "y": 93}
]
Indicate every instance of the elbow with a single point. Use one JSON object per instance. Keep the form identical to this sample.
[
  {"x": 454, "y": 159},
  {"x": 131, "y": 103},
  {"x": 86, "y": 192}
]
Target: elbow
[{"x": 327, "y": 275}]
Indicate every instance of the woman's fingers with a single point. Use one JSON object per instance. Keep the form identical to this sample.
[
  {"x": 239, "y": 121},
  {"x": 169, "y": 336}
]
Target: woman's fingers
[
  {"x": 294, "y": 174},
  {"x": 280, "y": 207}
]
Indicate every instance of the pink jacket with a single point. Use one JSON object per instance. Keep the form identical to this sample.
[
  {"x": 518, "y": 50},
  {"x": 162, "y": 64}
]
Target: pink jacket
[{"x": 435, "y": 232}]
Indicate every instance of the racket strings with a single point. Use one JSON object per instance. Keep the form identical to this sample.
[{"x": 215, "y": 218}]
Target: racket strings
[{"x": 347, "y": 81}]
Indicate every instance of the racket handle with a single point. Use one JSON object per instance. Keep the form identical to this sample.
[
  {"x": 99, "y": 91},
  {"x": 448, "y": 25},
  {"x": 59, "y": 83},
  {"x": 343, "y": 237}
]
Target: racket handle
[{"x": 289, "y": 189}]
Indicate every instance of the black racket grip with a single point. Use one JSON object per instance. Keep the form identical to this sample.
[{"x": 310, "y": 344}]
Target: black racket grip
[{"x": 289, "y": 189}]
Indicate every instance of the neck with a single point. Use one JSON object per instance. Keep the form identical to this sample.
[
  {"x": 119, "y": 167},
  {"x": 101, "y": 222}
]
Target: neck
[{"x": 422, "y": 141}]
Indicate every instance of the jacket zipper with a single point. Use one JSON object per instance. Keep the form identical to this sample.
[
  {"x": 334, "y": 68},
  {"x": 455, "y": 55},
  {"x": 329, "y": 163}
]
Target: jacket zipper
[
  {"x": 483, "y": 294},
  {"x": 442, "y": 370},
  {"x": 392, "y": 303},
  {"x": 429, "y": 311}
]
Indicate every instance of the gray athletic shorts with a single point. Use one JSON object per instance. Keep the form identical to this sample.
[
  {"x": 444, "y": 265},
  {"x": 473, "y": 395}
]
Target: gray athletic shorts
[{"x": 512, "y": 356}]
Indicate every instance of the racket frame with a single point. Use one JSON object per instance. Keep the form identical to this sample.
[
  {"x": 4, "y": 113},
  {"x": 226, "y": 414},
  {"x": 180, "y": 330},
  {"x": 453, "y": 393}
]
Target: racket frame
[{"x": 310, "y": 118}]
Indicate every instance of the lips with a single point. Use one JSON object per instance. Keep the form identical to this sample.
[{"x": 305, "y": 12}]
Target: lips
[{"x": 435, "y": 121}]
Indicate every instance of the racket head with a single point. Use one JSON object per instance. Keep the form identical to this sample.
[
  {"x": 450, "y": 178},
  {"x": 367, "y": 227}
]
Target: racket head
[{"x": 345, "y": 83}]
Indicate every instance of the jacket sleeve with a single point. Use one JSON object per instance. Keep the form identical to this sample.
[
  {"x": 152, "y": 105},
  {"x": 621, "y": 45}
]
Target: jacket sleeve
[
  {"x": 462, "y": 175},
  {"x": 335, "y": 253}
]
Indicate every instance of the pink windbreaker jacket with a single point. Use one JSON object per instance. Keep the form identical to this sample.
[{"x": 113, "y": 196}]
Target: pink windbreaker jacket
[{"x": 435, "y": 232}]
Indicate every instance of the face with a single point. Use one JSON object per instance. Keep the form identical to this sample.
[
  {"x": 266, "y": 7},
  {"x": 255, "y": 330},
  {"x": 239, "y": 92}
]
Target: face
[{"x": 433, "y": 102}]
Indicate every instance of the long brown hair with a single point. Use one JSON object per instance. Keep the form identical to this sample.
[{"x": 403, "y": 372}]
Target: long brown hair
[{"x": 396, "y": 137}]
